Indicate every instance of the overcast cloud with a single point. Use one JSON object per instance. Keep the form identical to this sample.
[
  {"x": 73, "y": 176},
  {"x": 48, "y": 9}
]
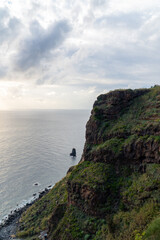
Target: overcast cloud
[{"x": 62, "y": 54}]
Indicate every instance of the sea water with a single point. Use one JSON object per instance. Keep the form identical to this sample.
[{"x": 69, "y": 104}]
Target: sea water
[{"x": 34, "y": 152}]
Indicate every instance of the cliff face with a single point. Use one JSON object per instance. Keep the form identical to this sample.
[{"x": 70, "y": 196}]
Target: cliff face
[
  {"x": 124, "y": 128},
  {"x": 114, "y": 192}
]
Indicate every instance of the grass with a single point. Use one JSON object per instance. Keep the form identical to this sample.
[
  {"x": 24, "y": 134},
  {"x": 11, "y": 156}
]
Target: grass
[
  {"x": 101, "y": 182},
  {"x": 35, "y": 219},
  {"x": 143, "y": 111},
  {"x": 133, "y": 219},
  {"x": 117, "y": 145},
  {"x": 77, "y": 225},
  {"x": 100, "y": 177},
  {"x": 153, "y": 230},
  {"x": 132, "y": 203}
]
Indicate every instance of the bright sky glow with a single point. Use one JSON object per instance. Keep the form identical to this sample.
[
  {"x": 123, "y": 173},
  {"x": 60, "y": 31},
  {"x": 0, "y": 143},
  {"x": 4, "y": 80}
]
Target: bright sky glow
[{"x": 62, "y": 54}]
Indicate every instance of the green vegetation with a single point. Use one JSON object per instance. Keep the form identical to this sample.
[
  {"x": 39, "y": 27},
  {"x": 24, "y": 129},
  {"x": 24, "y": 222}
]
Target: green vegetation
[
  {"x": 77, "y": 225},
  {"x": 114, "y": 200},
  {"x": 140, "y": 203},
  {"x": 35, "y": 219},
  {"x": 102, "y": 184},
  {"x": 136, "y": 122},
  {"x": 153, "y": 230},
  {"x": 136, "y": 197},
  {"x": 143, "y": 111},
  {"x": 114, "y": 144},
  {"x": 95, "y": 175}
]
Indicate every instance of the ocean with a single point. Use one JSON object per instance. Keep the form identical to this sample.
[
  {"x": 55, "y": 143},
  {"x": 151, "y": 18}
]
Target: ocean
[{"x": 34, "y": 152}]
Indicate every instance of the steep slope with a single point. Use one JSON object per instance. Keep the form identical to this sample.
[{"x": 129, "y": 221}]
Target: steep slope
[{"x": 114, "y": 192}]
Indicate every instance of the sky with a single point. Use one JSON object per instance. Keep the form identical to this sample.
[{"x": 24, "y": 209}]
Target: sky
[{"x": 61, "y": 54}]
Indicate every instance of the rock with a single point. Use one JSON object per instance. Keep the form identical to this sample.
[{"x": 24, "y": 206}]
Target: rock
[
  {"x": 36, "y": 184},
  {"x": 73, "y": 153},
  {"x": 43, "y": 235},
  {"x": 41, "y": 194}
]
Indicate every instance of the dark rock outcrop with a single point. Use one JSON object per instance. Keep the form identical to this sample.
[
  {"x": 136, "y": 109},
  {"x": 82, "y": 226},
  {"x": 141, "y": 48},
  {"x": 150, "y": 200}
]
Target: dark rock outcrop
[{"x": 73, "y": 153}]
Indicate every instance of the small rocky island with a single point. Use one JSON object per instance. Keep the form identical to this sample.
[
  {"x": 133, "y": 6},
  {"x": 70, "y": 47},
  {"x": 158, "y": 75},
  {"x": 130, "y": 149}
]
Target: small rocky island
[
  {"x": 114, "y": 192},
  {"x": 73, "y": 153}
]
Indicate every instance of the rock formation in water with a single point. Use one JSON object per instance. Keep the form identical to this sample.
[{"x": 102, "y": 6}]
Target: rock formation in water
[
  {"x": 114, "y": 192},
  {"x": 73, "y": 153}
]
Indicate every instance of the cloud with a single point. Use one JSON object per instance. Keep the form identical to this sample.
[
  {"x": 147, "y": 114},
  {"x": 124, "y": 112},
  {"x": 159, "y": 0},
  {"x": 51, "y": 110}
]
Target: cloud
[
  {"x": 9, "y": 26},
  {"x": 3, "y": 71},
  {"x": 3, "y": 13},
  {"x": 41, "y": 43},
  {"x": 102, "y": 45},
  {"x": 43, "y": 79},
  {"x": 121, "y": 20},
  {"x": 99, "y": 3}
]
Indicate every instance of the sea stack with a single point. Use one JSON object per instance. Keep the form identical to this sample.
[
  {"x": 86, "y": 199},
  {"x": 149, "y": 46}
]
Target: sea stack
[{"x": 73, "y": 153}]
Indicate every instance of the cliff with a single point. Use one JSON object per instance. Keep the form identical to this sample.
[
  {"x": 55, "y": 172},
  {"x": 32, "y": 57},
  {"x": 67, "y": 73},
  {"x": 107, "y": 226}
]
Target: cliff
[{"x": 114, "y": 192}]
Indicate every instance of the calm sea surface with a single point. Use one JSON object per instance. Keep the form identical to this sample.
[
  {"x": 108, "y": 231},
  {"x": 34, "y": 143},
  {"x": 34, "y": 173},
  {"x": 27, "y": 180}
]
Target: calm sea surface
[{"x": 34, "y": 148}]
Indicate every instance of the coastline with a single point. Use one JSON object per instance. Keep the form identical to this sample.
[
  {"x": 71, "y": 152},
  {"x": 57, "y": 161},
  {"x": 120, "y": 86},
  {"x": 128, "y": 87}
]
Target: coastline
[{"x": 9, "y": 226}]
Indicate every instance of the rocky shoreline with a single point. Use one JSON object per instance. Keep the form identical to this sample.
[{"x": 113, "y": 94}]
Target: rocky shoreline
[{"x": 9, "y": 226}]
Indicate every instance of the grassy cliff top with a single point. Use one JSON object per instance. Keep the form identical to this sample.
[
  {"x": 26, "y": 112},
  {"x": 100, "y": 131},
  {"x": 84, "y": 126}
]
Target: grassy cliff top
[{"x": 122, "y": 122}]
